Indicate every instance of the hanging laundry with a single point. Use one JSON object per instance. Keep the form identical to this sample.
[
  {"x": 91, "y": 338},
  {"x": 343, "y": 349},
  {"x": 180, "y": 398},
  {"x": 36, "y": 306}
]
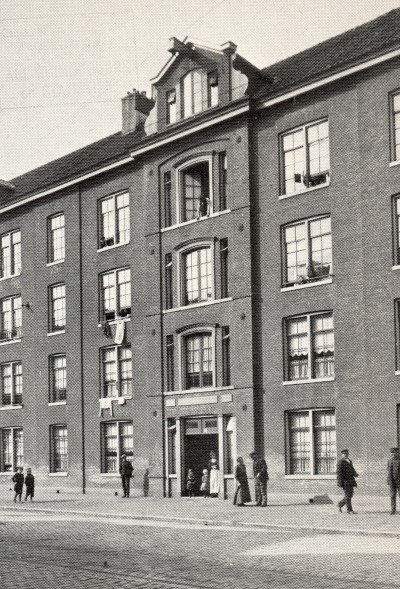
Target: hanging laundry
[
  {"x": 105, "y": 403},
  {"x": 106, "y": 328},
  {"x": 119, "y": 332}
]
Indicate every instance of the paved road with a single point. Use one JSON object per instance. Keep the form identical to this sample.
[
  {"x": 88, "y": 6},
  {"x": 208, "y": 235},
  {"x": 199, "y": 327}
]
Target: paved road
[{"x": 39, "y": 551}]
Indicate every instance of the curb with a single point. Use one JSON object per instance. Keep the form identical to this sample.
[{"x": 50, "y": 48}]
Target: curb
[{"x": 213, "y": 523}]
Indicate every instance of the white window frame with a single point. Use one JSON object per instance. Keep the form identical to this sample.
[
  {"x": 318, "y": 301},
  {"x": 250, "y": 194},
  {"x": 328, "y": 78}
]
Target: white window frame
[
  {"x": 193, "y": 111},
  {"x": 114, "y": 197},
  {"x": 310, "y": 379},
  {"x": 179, "y": 184},
  {"x": 305, "y": 174},
  {"x": 182, "y": 358},
  {"x": 13, "y": 266},
  {"x": 103, "y": 425},
  {"x": 13, "y": 393},
  {"x": 181, "y": 253},
  {"x": 52, "y": 327},
  {"x": 117, "y": 349},
  {"x": 51, "y": 259},
  {"x": 311, "y": 474},
  {"x": 117, "y": 297},
  {"x": 14, "y": 464},
  {"x": 16, "y": 330},
  {"x": 395, "y": 157},
  {"x": 52, "y": 468},
  {"x": 53, "y": 389}
]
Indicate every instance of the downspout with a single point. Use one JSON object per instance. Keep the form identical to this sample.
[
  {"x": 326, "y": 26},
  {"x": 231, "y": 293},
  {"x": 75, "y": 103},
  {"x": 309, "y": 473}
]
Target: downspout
[
  {"x": 81, "y": 340},
  {"x": 160, "y": 258}
]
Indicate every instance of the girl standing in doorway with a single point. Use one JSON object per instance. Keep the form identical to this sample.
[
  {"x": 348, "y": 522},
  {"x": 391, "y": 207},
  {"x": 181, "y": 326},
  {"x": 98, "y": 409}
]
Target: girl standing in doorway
[{"x": 214, "y": 475}]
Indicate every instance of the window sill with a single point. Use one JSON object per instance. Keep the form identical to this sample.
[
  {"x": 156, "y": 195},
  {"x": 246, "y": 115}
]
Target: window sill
[
  {"x": 111, "y": 247},
  {"x": 397, "y": 372},
  {"x": 310, "y": 477},
  {"x": 305, "y": 191},
  {"x": 115, "y": 321},
  {"x": 184, "y": 223},
  {"x": 196, "y": 305},
  {"x": 11, "y": 341},
  {"x": 309, "y": 380},
  {"x": 51, "y": 333},
  {"x": 110, "y": 474},
  {"x": 57, "y": 403},
  {"x": 8, "y": 473},
  {"x": 202, "y": 390},
  {"x": 172, "y": 476},
  {"x": 10, "y": 276},
  {"x": 58, "y": 474},
  {"x": 55, "y": 263},
  {"x": 308, "y": 284},
  {"x": 395, "y": 163},
  {"x": 9, "y": 407},
  {"x": 397, "y": 267}
]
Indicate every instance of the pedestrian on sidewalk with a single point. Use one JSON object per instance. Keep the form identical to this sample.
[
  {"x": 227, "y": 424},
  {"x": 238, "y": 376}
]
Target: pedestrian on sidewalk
[
  {"x": 190, "y": 482},
  {"x": 260, "y": 471},
  {"x": 29, "y": 484},
  {"x": 126, "y": 472},
  {"x": 213, "y": 467},
  {"x": 242, "y": 493},
  {"x": 393, "y": 477},
  {"x": 346, "y": 479},
  {"x": 205, "y": 484},
  {"x": 18, "y": 479}
]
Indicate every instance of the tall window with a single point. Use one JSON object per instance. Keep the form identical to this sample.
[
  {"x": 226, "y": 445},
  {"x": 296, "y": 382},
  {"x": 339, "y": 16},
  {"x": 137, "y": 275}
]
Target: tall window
[
  {"x": 56, "y": 238},
  {"x": 10, "y": 318},
  {"x": 12, "y": 449},
  {"x": 212, "y": 89},
  {"x": 10, "y": 254},
  {"x": 191, "y": 93},
  {"x": 57, "y": 307},
  {"x": 116, "y": 294},
  {"x": 58, "y": 378},
  {"x": 170, "y": 363},
  {"x": 395, "y": 125},
  {"x": 114, "y": 220},
  {"x": 223, "y": 178},
  {"x": 311, "y": 438},
  {"x": 117, "y": 439},
  {"x": 224, "y": 253},
  {"x": 168, "y": 282},
  {"x": 197, "y": 276},
  {"x": 11, "y": 383},
  {"x": 308, "y": 250},
  {"x": 171, "y": 107},
  {"x": 195, "y": 184},
  {"x": 305, "y": 153},
  {"x": 116, "y": 364},
  {"x": 58, "y": 448},
  {"x": 198, "y": 360},
  {"x": 310, "y": 349},
  {"x": 167, "y": 199}
]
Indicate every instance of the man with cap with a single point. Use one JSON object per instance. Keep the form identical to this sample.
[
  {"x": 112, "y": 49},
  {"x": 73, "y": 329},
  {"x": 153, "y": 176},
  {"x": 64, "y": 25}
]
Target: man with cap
[
  {"x": 346, "y": 479},
  {"x": 260, "y": 471},
  {"x": 393, "y": 477},
  {"x": 126, "y": 472}
]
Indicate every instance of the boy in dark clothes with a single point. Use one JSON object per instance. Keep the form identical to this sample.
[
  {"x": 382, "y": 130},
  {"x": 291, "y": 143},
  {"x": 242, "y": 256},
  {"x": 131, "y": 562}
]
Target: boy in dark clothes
[
  {"x": 30, "y": 484},
  {"x": 18, "y": 479}
]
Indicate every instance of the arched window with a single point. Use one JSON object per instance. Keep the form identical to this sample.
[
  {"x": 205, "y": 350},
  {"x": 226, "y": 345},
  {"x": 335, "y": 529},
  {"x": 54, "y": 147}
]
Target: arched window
[
  {"x": 198, "y": 360},
  {"x": 197, "y": 277},
  {"x": 192, "y": 93}
]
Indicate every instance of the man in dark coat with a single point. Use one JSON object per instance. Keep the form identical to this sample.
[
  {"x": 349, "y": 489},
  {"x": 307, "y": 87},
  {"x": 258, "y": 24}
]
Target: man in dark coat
[
  {"x": 18, "y": 479},
  {"x": 126, "y": 472},
  {"x": 260, "y": 471},
  {"x": 346, "y": 479},
  {"x": 393, "y": 477}
]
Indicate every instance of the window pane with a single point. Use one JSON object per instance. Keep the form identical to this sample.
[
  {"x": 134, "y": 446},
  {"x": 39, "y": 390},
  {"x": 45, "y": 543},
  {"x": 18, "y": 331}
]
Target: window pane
[
  {"x": 7, "y": 450},
  {"x": 57, "y": 238},
  {"x": 18, "y": 447},
  {"x": 296, "y": 253},
  {"x": 123, "y": 228},
  {"x": 299, "y": 443},
  {"x": 297, "y": 348},
  {"x": 325, "y": 442},
  {"x": 110, "y": 431},
  {"x": 323, "y": 346},
  {"x": 60, "y": 448}
]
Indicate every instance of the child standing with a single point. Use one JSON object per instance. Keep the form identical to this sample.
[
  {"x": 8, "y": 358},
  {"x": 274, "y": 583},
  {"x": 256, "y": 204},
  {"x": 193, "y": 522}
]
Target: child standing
[
  {"x": 205, "y": 483},
  {"x": 18, "y": 479},
  {"x": 29, "y": 484},
  {"x": 190, "y": 482}
]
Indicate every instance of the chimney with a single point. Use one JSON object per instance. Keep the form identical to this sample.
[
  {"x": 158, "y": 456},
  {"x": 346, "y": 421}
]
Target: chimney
[{"x": 135, "y": 109}]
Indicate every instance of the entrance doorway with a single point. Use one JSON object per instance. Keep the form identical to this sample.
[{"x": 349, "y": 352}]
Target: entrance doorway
[{"x": 200, "y": 437}]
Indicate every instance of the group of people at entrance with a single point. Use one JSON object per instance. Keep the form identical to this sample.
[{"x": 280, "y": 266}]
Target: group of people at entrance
[{"x": 210, "y": 480}]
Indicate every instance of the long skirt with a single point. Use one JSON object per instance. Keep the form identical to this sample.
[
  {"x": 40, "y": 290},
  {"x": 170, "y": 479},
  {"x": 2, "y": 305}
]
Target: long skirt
[
  {"x": 242, "y": 494},
  {"x": 215, "y": 479}
]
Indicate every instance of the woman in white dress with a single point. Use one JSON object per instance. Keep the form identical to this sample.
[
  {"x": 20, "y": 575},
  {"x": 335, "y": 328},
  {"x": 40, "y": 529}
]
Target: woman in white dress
[{"x": 215, "y": 477}]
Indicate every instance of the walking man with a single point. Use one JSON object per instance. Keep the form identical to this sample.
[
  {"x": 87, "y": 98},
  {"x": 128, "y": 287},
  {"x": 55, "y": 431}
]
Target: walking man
[
  {"x": 260, "y": 471},
  {"x": 393, "y": 477},
  {"x": 346, "y": 479},
  {"x": 126, "y": 472}
]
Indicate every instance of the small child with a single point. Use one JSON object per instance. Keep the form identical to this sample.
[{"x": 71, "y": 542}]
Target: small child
[
  {"x": 29, "y": 484},
  {"x": 205, "y": 483},
  {"x": 18, "y": 479},
  {"x": 190, "y": 482}
]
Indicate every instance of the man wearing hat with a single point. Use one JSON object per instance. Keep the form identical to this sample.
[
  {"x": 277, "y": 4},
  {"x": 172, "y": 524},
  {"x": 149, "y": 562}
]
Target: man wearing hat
[
  {"x": 393, "y": 477},
  {"x": 126, "y": 472},
  {"x": 260, "y": 471},
  {"x": 346, "y": 479}
]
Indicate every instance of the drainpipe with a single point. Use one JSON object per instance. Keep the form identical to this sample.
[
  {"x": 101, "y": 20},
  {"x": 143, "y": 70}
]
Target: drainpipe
[{"x": 81, "y": 340}]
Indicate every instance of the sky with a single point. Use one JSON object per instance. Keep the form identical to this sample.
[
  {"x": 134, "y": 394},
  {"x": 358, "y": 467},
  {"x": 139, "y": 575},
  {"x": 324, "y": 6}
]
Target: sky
[{"x": 66, "y": 64}]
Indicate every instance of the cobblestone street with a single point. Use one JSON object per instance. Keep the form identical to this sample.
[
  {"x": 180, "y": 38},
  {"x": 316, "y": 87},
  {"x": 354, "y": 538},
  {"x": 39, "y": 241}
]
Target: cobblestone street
[{"x": 43, "y": 551}]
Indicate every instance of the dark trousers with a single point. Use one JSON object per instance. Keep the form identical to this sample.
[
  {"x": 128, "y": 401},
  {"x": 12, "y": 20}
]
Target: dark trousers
[
  {"x": 126, "y": 483},
  {"x": 393, "y": 492},
  {"x": 348, "y": 494},
  {"x": 261, "y": 491}
]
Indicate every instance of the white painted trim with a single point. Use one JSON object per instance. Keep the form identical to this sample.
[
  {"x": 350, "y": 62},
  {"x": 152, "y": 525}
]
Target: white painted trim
[
  {"x": 64, "y": 185},
  {"x": 178, "y": 457},
  {"x": 55, "y": 263},
  {"x": 352, "y": 70},
  {"x": 308, "y": 284},
  {"x": 309, "y": 381},
  {"x": 180, "y": 270},
  {"x": 8, "y": 407},
  {"x": 305, "y": 191},
  {"x": 395, "y": 163},
  {"x": 59, "y": 332},
  {"x": 11, "y": 341},
  {"x": 111, "y": 247},
  {"x": 211, "y": 216},
  {"x": 397, "y": 372},
  {"x": 10, "y": 276},
  {"x": 203, "y": 390},
  {"x": 58, "y": 474},
  {"x": 196, "y": 305},
  {"x": 397, "y": 267},
  {"x": 57, "y": 403},
  {"x": 308, "y": 477}
]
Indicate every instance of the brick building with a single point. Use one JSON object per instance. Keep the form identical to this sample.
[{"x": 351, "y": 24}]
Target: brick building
[{"x": 220, "y": 275}]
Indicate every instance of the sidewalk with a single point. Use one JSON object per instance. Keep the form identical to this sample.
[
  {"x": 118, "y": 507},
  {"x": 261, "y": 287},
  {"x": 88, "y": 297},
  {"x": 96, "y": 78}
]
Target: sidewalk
[{"x": 283, "y": 511}]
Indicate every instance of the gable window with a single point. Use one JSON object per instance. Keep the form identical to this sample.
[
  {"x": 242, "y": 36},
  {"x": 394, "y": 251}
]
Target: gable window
[
  {"x": 58, "y": 448},
  {"x": 310, "y": 352},
  {"x": 56, "y": 238},
  {"x": 12, "y": 449},
  {"x": 114, "y": 220},
  {"x": 171, "y": 107},
  {"x": 11, "y": 383},
  {"x": 305, "y": 154},
  {"x": 57, "y": 307},
  {"x": 191, "y": 93},
  {"x": 197, "y": 276},
  {"x": 195, "y": 191},
  {"x": 198, "y": 360},
  {"x": 10, "y": 262},
  {"x": 395, "y": 125},
  {"x": 117, "y": 439},
  {"x": 307, "y": 250},
  {"x": 116, "y": 371},
  {"x": 58, "y": 378},
  {"x": 10, "y": 319},
  {"x": 116, "y": 294},
  {"x": 212, "y": 89},
  {"x": 311, "y": 437}
]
